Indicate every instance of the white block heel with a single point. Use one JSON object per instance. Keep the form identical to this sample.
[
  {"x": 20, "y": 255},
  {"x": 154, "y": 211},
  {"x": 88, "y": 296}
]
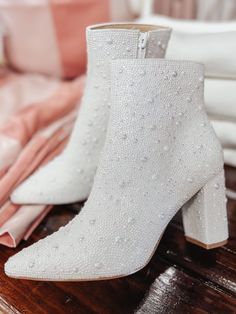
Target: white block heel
[{"x": 205, "y": 216}]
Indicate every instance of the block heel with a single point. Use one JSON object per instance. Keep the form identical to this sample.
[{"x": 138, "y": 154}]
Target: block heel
[{"x": 205, "y": 217}]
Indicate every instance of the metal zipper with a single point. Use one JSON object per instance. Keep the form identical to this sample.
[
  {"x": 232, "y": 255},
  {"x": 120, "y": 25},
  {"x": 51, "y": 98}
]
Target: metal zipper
[{"x": 142, "y": 45}]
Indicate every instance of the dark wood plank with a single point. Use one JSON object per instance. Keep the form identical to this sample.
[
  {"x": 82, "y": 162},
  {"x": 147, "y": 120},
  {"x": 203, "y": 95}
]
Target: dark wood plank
[
  {"x": 181, "y": 278},
  {"x": 174, "y": 291},
  {"x": 230, "y": 177},
  {"x": 6, "y": 308}
]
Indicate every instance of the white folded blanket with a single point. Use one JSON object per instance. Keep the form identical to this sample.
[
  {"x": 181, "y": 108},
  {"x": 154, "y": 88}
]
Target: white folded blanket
[
  {"x": 230, "y": 157},
  {"x": 220, "y": 98},
  {"x": 226, "y": 132},
  {"x": 213, "y": 44},
  {"x": 217, "y": 10}
]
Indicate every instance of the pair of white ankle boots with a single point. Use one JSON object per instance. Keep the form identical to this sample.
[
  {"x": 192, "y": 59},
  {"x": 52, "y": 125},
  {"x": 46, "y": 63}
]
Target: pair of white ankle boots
[{"x": 144, "y": 146}]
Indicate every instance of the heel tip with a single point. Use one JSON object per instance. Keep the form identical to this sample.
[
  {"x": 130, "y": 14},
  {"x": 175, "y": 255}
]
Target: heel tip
[{"x": 206, "y": 246}]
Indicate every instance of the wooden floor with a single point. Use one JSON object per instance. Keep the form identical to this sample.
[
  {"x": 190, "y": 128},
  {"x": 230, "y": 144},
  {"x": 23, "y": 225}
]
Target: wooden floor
[{"x": 181, "y": 278}]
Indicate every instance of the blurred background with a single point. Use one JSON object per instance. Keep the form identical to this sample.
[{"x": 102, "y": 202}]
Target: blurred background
[{"x": 43, "y": 68}]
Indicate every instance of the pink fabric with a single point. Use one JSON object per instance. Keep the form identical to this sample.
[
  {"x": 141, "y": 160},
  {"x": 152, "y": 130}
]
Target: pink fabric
[
  {"x": 70, "y": 19},
  {"x": 20, "y": 91},
  {"x": 20, "y": 127},
  {"x": 6, "y": 211},
  {"x": 181, "y": 9},
  {"x": 3, "y": 172},
  {"x": 28, "y": 26},
  {"x": 17, "y": 92},
  {"x": 29, "y": 120},
  {"x": 15, "y": 228},
  {"x": 48, "y": 36}
]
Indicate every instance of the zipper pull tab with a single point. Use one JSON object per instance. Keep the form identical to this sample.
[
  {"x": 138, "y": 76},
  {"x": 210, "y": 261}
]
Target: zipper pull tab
[{"x": 142, "y": 44}]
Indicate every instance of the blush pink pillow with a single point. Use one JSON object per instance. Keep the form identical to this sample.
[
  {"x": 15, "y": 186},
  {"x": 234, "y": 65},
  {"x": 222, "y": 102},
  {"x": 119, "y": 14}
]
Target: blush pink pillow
[{"x": 48, "y": 36}]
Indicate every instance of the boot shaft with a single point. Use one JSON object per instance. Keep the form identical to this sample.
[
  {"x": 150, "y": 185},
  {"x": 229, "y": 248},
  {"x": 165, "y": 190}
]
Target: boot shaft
[
  {"x": 162, "y": 104},
  {"x": 108, "y": 42},
  {"x": 104, "y": 43}
]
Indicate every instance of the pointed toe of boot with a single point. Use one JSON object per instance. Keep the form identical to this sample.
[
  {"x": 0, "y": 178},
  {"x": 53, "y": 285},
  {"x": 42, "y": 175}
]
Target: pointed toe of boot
[{"x": 55, "y": 183}]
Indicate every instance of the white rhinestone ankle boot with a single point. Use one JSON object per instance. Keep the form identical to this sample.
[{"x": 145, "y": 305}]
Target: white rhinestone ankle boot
[
  {"x": 69, "y": 177},
  {"x": 160, "y": 152}
]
